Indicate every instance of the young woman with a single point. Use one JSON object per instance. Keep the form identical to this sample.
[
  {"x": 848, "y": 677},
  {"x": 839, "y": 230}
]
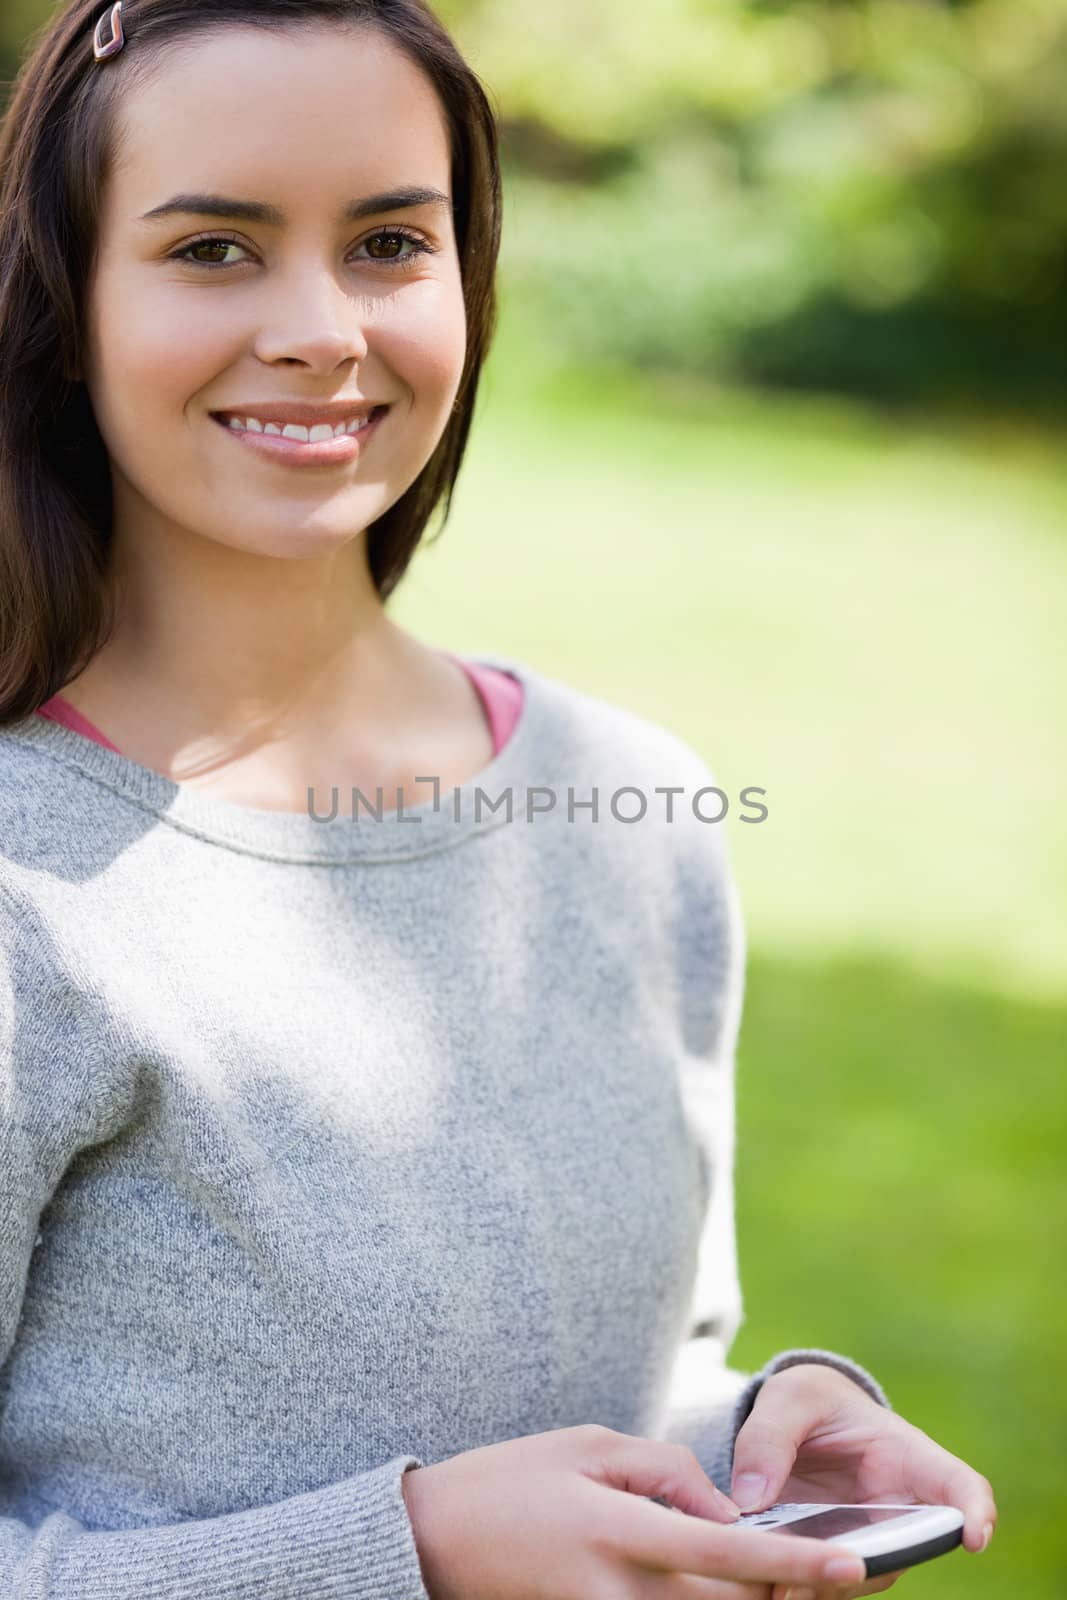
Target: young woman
[{"x": 365, "y": 1170}]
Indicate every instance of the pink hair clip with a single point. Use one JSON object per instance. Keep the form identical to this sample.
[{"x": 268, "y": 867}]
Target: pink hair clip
[{"x": 101, "y": 50}]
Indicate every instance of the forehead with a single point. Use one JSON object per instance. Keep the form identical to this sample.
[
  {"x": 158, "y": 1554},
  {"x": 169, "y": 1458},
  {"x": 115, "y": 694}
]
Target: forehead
[{"x": 294, "y": 116}]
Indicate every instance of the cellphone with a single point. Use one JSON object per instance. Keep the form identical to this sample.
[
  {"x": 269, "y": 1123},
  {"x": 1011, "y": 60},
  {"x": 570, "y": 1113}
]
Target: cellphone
[{"x": 888, "y": 1537}]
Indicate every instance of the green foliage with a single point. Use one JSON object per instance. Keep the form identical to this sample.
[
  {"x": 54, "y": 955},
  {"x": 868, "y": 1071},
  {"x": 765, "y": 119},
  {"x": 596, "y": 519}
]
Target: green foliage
[{"x": 866, "y": 197}]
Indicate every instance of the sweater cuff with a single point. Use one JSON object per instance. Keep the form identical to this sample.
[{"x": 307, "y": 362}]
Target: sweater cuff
[
  {"x": 352, "y": 1538},
  {"x": 795, "y": 1358}
]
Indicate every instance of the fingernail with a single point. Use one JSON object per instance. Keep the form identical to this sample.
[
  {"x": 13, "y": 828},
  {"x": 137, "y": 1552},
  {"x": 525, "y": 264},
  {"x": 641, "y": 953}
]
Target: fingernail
[
  {"x": 728, "y": 1505},
  {"x": 987, "y": 1534},
  {"x": 800, "y": 1594},
  {"x": 844, "y": 1571},
  {"x": 749, "y": 1490}
]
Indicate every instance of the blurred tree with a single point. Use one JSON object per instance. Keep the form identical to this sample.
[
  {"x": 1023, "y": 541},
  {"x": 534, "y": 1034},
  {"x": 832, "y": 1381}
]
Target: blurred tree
[{"x": 863, "y": 195}]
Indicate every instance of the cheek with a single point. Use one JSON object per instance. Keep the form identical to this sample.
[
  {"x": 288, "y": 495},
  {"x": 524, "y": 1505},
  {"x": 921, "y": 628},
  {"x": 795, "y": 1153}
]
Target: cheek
[
  {"x": 422, "y": 336},
  {"x": 153, "y": 360}
]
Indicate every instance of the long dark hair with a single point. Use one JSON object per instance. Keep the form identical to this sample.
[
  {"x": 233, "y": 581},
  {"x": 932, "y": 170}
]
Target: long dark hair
[{"x": 56, "y": 146}]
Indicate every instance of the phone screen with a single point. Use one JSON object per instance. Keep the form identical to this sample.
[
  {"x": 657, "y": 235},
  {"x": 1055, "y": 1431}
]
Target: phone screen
[{"x": 842, "y": 1519}]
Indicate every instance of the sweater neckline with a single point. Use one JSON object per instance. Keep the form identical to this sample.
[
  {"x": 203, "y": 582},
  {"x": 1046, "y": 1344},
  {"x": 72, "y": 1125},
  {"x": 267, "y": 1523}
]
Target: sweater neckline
[{"x": 330, "y": 835}]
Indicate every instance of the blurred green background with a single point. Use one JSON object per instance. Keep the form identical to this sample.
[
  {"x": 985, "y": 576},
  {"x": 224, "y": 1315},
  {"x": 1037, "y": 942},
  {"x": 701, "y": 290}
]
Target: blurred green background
[{"x": 771, "y": 450}]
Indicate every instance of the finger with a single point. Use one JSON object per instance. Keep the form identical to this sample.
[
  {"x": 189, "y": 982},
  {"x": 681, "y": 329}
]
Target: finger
[
  {"x": 874, "y": 1586},
  {"x": 656, "y": 1469},
  {"x": 937, "y": 1477},
  {"x": 663, "y": 1541},
  {"x": 681, "y": 1586},
  {"x": 767, "y": 1443}
]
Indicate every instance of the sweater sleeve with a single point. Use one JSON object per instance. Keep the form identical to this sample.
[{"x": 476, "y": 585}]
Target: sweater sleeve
[
  {"x": 708, "y": 1402},
  {"x": 352, "y": 1537}
]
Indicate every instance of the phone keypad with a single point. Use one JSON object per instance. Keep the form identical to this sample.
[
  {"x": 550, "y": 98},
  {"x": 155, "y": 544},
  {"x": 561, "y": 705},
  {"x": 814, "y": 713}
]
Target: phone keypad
[{"x": 757, "y": 1519}]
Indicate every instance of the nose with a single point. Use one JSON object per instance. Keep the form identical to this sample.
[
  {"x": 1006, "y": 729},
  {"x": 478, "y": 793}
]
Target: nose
[{"x": 318, "y": 324}]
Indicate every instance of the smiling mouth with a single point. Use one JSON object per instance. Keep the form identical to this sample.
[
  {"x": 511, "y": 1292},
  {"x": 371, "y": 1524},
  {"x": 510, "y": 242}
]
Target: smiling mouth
[
  {"x": 289, "y": 444},
  {"x": 301, "y": 433}
]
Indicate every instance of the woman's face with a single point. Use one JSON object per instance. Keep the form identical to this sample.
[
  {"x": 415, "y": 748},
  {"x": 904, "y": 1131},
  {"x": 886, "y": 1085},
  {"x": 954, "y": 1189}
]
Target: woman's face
[{"x": 309, "y": 306}]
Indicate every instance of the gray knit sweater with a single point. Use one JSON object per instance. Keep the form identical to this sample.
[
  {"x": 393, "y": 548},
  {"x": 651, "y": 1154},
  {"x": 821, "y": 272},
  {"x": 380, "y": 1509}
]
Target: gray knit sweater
[{"x": 332, "y": 1148}]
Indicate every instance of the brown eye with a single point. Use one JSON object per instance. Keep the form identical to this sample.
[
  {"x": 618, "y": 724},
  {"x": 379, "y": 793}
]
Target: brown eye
[
  {"x": 209, "y": 243},
  {"x": 391, "y": 241},
  {"x": 386, "y": 241}
]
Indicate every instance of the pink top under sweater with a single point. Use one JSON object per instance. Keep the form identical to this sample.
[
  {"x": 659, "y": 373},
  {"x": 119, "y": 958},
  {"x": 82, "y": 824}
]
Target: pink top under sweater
[{"x": 500, "y": 694}]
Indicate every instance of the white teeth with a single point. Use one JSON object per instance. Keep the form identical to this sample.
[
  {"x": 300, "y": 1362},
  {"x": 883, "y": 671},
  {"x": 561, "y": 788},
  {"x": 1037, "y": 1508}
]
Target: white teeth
[{"x": 294, "y": 430}]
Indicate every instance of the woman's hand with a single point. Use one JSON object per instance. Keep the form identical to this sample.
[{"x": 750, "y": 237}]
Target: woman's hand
[
  {"x": 569, "y": 1515},
  {"x": 815, "y": 1435}
]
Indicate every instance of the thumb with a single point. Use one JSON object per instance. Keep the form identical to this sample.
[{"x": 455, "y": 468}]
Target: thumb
[{"x": 764, "y": 1452}]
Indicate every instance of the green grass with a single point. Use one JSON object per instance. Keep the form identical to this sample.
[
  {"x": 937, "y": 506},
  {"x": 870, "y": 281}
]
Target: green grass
[
  {"x": 865, "y": 616},
  {"x": 901, "y": 1191}
]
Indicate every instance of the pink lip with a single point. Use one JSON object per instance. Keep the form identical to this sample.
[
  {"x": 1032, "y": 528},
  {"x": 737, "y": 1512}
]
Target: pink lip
[{"x": 297, "y": 453}]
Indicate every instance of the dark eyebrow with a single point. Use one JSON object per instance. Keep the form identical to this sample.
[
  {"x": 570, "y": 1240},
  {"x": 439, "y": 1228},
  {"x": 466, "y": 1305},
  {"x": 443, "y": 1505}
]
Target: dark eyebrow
[{"x": 217, "y": 205}]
